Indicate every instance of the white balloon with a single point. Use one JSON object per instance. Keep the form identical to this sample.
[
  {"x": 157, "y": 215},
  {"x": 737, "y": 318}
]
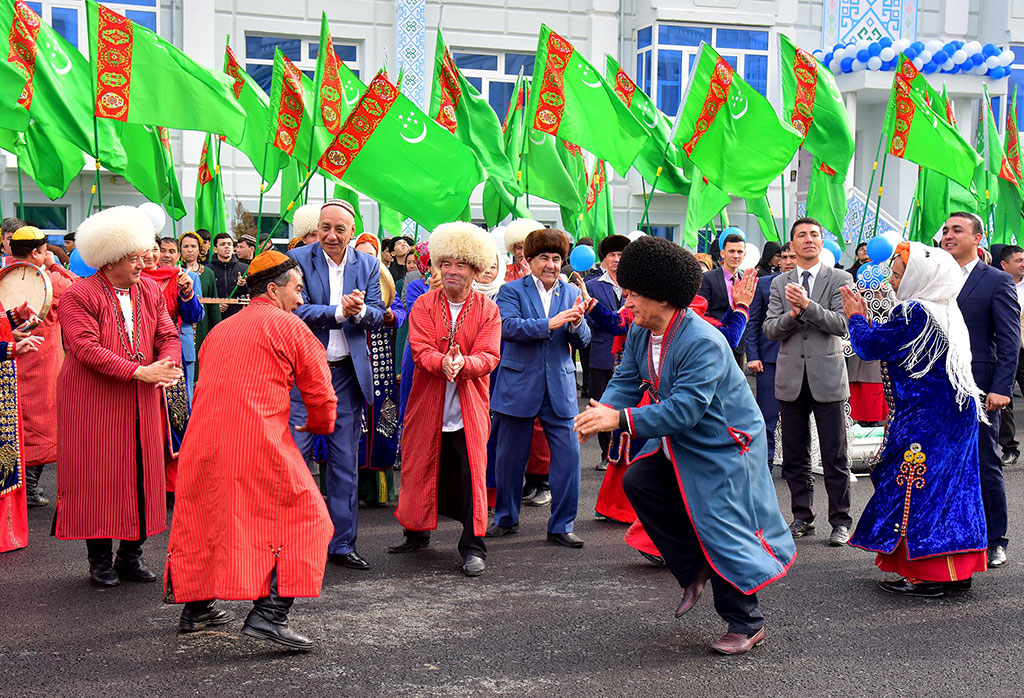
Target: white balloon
[
  {"x": 635, "y": 235},
  {"x": 498, "y": 233},
  {"x": 959, "y": 56},
  {"x": 981, "y": 69},
  {"x": 835, "y": 65},
  {"x": 839, "y": 55},
  {"x": 818, "y": 53},
  {"x": 925, "y": 55},
  {"x": 751, "y": 256},
  {"x": 874, "y": 63},
  {"x": 156, "y": 215},
  {"x": 862, "y": 44},
  {"x": 1006, "y": 57},
  {"x": 948, "y": 65},
  {"x": 918, "y": 63},
  {"x": 992, "y": 62},
  {"x": 972, "y": 47},
  {"x": 887, "y": 54},
  {"x": 859, "y": 65},
  {"x": 893, "y": 236},
  {"x": 933, "y": 45},
  {"x": 826, "y": 257}
]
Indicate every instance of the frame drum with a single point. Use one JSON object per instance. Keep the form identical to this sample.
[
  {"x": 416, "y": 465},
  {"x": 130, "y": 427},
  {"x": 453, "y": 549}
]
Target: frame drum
[{"x": 21, "y": 282}]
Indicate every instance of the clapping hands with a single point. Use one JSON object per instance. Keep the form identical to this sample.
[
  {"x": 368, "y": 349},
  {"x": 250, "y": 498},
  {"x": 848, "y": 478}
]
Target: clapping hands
[{"x": 453, "y": 362}]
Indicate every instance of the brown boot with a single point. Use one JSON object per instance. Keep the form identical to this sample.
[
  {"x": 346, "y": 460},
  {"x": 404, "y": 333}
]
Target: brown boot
[{"x": 738, "y": 643}]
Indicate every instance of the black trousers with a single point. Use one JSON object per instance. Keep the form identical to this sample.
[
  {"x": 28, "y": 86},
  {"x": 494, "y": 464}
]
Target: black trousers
[
  {"x": 1007, "y": 431},
  {"x": 455, "y": 494},
  {"x": 100, "y": 549},
  {"x": 599, "y": 379},
  {"x": 652, "y": 489},
  {"x": 585, "y": 366},
  {"x": 796, "y": 455}
]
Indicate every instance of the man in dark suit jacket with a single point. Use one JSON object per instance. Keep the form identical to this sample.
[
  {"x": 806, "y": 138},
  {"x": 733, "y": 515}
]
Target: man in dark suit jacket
[
  {"x": 605, "y": 289},
  {"x": 762, "y": 352},
  {"x": 805, "y": 314},
  {"x": 340, "y": 302},
  {"x": 988, "y": 302},
  {"x": 716, "y": 285}
]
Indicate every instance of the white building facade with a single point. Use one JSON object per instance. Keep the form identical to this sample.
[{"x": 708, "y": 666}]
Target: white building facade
[{"x": 655, "y": 41}]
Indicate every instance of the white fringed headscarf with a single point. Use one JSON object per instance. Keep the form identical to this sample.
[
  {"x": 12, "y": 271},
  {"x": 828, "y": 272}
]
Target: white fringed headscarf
[
  {"x": 491, "y": 289},
  {"x": 933, "y": 280}
]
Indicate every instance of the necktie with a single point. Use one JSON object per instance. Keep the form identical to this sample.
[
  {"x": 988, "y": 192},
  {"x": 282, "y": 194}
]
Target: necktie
[{"x": 807, "y": 282}]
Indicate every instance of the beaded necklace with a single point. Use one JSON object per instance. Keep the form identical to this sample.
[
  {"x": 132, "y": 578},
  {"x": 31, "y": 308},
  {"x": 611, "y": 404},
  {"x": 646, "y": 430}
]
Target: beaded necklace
[
  {"x": 654, "y": 380},
  {"x": 130, "y": 345},
  {"x": 446, "y": 314}
]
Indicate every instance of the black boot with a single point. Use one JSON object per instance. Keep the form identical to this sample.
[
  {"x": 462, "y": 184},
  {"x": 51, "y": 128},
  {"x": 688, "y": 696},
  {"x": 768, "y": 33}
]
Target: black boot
[
  {"x": 202, "y": 614},
  {"x": 33, "y": 492},
  {"x": 101, "y": 573},
  {"x": 268, "y": 620},
  {"x": 129, "y": 564}
]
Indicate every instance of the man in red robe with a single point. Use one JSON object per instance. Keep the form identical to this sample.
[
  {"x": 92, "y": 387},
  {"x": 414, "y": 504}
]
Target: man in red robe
[
  {"x": 37, "y": 371},
  {"x": 455, "y": 336},
  {"x": 249, "y": 521},
  {"x": 122, "y": 349}
]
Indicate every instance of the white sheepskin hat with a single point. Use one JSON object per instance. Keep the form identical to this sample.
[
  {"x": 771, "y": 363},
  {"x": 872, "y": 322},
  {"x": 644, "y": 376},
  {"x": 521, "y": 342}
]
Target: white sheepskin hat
[
  {"x": 517, "y": 231},
  {"x": 306, "y": 219},
  {"x": 462, "y": 241},
  {"x": 112, "y": 234}
]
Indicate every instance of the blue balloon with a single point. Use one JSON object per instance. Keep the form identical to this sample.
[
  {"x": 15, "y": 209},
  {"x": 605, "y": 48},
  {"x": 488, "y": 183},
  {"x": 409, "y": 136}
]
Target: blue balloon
[
  {"x": 865, "y": 272},
  {"x": 879, "y": 249},
  {"x": 976, "y": 58},
  {"x": 918, "y": 46},
  {"x": 863, "y": 55},
  {"x": 911, "y": 52},
  {"x": 940, "y": 57},
  {"x": 837, "y": 47},
  {"x": 874, "y": 48},
  {"x": 731, "y": 230},
  {"x": 827, "y": 58},
  {"x": 930, "y": 67},
  {"x": 582, "y": 258},
  {"x": 833, "y": 247},
  {"x": 846, "y": 65},
  {"x": 949, "y": 48},
  {"x": 885, "y": 42},
  {"x": 997, "y": 73},
  {"x": 77, "y": 266}
]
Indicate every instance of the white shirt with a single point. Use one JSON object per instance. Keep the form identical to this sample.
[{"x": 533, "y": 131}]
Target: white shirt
[
  {"x": 656, "y": 340},
  {"x": 814, "y": 274},
  {"x": 451, "y": 419},
  {"x": 545, "y": 294},
  {"x": 337, "y": 343},
  {"x": 607, "y": 278},
  {"x": 969, "y": 267},
  {"x": 124, "y": 298},
  {"x": 1020, "y": 301}
]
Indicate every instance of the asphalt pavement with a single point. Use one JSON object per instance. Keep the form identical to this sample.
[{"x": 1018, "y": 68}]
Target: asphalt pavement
[{"x": 542, "y": 621}]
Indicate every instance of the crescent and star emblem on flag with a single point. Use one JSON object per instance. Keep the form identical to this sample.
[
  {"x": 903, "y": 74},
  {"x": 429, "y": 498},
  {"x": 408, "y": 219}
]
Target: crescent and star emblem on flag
[
  {"x": 586, "y": 75},
  {"x": 349, "y": 99},
  {"x": 649, "y": 119},
  {"x": 56, "y": 54},
  {"x": 409, "y": 121},
  {"x": 739, "y": 104},
  {"x": 543, "y": 137}
]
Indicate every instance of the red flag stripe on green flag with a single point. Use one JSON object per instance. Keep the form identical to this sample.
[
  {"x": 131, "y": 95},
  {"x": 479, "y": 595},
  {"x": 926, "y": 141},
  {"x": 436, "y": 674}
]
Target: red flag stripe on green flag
[
  {"x": 624, "y": 87},
  {"x": 597, "y": 183},
  {"x": 552, "y": 93},
  {"x": 1012, "y": 148},
  {"x": 289, "y": 109},
  {"x": 718, "y": 93},
  {"x": 332, "y": 90},
  {"x": 114, "y": 65},
  {"x": 22, "y": 40},
  {"x": 370, "y": 111},
  {"x": 805, "y": 70},
  {"x": 232, "y": 68},
  {"x": 451, "y": 93},
  {"x": 205, "y": 177},
  {"x": 904, "y": 108}
]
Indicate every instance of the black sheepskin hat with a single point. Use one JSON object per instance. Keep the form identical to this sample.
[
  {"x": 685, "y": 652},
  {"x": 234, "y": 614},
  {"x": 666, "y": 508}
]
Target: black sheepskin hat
[
  {"x": 612, "y": 243},
  {"x": 544, "y": 240},
  {"x": 660, "y": 270}
]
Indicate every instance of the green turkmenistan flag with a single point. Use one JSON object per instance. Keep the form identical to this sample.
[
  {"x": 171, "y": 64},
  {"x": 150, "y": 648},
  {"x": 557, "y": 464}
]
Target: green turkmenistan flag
[
  {"x": 390, "y": 151},
  {"x": 704, "y": 202},
  {"x": 150, "y": 167},
  {"x": 730, "y": 131},
  {"x": 173, "y": 201},
  {"x": 760, "y": 209},
  {"x": 932, "y": 203},
  {"x": 1009, "y": 219},
  {"x": 570, "y": 99},
  {"x": 290, "y": 114},
  {"x": 456, "y": 105},
  {"x": 351, "y": 196},
  {"x": 210, "y": 212},
  {"x": 388, "y": 221},
  {"x": 254, "y": 102},
  {"x": 917, "y": 132},
  {"x": 51, "y": 162},
  {"x": 659, "y": 160},
  {"x": 826, "y": 199},
  {"x": 143, "y": 79},
  {"x": 597, "y": 221},
  {"x": 292, "y": 177},
  {"x": 812, "y": 103},
  {"x": 995, "y": 181}
]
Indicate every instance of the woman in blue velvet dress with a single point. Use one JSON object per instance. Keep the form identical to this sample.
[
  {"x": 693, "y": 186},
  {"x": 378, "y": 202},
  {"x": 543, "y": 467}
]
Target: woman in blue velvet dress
[{"x": 925, "y": 520}]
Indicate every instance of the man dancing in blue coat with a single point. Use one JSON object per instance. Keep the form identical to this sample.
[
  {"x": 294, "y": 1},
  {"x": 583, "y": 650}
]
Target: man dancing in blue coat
[
  {"x": 699, "y": 487},
  {"x": 541, "y": 319}
]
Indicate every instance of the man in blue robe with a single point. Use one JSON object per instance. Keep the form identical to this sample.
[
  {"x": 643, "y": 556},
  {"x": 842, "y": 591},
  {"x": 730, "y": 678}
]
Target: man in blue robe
[{"x": 699, "y": 486}]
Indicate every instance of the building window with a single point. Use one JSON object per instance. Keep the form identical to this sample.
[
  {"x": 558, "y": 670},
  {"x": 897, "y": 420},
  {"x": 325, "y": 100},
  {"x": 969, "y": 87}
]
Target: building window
[
  {"x": 259, "y": 56},
  {"x": 659, "y": 231},
  {"x": 493, "y": 74},
  {"x": 44, "y": 217},
  {"x": 1017, "y": 78},
  {"x": 67, "y": 17},
  {"x": 665, "y": 55}
]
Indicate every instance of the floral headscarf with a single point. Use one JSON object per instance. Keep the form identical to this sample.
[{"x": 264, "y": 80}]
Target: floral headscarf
[{"x": 422, "y": 256}]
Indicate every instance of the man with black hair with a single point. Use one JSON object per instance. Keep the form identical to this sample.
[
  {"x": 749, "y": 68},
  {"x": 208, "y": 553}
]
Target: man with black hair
[
  {"x": 705, "y": 436},
  {"x": 400, "y": 248},
  {"x": 805, "y": 314},
  {"x": 229, "y": 272},
  {"x": 204, "y": 248},
  {"x": 860, "y": 258},
  {"x": 988, "y": 302},
  {"x": 245, "y": 248},
  {"x": 716, "y": 285},
  {"x": 7, "y": 229},
  {"x": 1011, "y": 259}
]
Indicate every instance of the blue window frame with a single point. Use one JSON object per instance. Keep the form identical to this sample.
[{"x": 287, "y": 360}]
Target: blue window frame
[
  {"x": 259, "y": 56},
  {"x": 500, "y": 96},
  {"x": 145, "y": 19},
  {"x": 346, "y": 52},
  {"x": 64, "y": 21},
  {"x": 493, "y": 75},
  {"x": 660, "y": 231},
  {"x": 516, "y": 61},
  {"x": 475, "y": 61},
  {"x": 742, "y": 39},
  {"x": 262, "y": 48},
  {"x": 670, "y": 71},
  {"x": 643, "y": 37},
  {"x": 1017, "y": 79}
]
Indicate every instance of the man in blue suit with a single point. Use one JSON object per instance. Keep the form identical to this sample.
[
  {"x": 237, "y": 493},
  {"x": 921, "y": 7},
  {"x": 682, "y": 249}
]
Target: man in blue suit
[
  {"x": 541, "y": 319},
  {"x": 340, "y": 302},
  {"x": 605, "y": 290},
  {"x": 763, "y": 352},
  {"x": 988, "y": 302}
]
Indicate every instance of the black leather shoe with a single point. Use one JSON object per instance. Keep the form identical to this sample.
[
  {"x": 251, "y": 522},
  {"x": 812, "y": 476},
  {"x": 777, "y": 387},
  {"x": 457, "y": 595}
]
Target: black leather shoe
[
  {"x": 1010, "y": 458},
  {"x": 541, "y": 499},
  {"x": 408, "y": 547},
  {"x": 351, "y": 560},
  {"x": 569, "y": 540},
  {"x": 258, "y": 626},
  {"x": 529, "y": 493},
  {"x": 473, "y": 565},
  {"x": 133, "y": 569},
  {"x": 959, "y": 585},
  {"x": 496, "y": 531},
  {"x": 840, "y": 536},
  {"x": 928, "y": 590},
  {"x": 103, "y": 575},
  {"x": 996, "y": 557},
  {"x": 799, "y": 528},
  {"x": 197, "y": 617},
  {"x": 656, "y": 559},
  {"x": 603, "y": 465}
]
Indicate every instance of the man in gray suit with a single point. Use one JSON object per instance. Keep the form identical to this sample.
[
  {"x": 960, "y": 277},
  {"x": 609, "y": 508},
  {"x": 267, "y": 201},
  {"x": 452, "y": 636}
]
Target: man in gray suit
[{"x": 805, "y": 314}]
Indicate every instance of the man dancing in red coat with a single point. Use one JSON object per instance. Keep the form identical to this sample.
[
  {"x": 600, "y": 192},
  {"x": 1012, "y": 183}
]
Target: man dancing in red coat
[
  {"x": 122, "y": 349},
  {"x": 455, "y": 336},
  {"x": 249, "y": 522}
]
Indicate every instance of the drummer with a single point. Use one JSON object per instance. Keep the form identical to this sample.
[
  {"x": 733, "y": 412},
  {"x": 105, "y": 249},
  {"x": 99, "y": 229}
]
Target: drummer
[
  {"x": 341, "y": 304},
  {"x": 37, "y": 371}
]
